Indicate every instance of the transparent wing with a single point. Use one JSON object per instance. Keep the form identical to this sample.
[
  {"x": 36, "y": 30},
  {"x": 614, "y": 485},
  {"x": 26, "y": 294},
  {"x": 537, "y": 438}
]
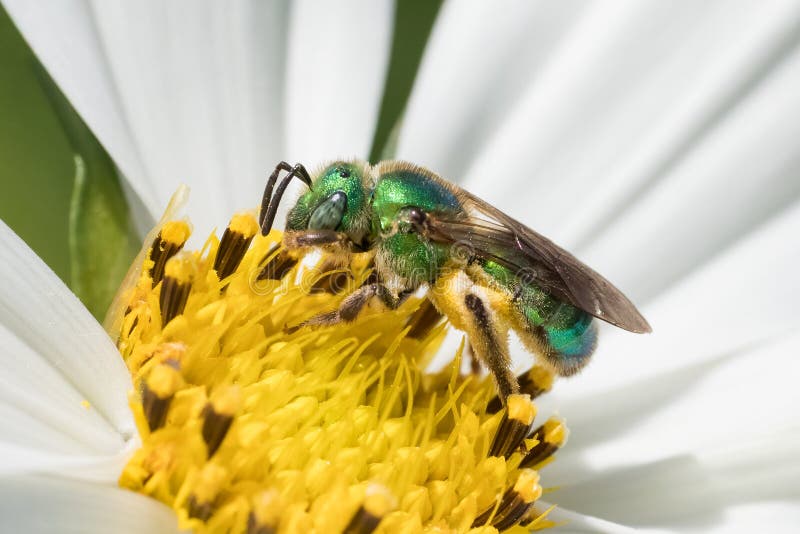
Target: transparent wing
[{"x": 491, "y": 234}]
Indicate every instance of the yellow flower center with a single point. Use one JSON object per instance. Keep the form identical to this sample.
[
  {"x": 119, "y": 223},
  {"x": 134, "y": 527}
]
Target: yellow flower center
[{"x": 249, "y": 424}]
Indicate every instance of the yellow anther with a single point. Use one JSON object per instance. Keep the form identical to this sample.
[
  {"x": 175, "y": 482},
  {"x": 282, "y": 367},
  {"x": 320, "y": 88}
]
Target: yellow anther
[
  {"x": 226, "y": 400},
  {"x": 180, "y": 268},
  {"x": 267, "y": 507},
  {"x": 378, "y": 500},
  {"x": 164, "y": 380},
  {"x": 520, "y": 408},
  {"x": 244, "y": 224},
  {"x": 542, "y": 377},
  {"x": 176, "y": 232},
  {"x": 210, "y": 481},
  {"x": 555, "y": 432},
  {"x": 160, "y": 459},
  {"x": 527, "y": 485}
]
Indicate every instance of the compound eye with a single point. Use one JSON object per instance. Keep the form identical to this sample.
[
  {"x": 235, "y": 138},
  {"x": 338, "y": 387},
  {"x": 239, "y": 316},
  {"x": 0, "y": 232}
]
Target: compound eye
[{"x": 328, "y": 215}]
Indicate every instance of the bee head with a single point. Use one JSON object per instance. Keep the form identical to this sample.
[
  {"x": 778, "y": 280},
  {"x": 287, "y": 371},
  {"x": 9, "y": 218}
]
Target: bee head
[{"x": 338, "y": 200}]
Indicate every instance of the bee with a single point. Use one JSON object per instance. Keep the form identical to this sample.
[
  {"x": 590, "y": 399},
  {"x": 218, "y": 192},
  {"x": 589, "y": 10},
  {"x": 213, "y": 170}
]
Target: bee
[{"x": 485, "y": 271}]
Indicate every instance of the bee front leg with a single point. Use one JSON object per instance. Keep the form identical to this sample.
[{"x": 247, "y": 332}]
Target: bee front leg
[
  {"x": 489, "y": 345},
  {"x": 351, "y": 306}
]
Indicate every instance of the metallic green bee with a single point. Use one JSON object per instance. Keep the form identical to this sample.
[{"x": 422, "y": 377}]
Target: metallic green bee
[{"x": 485, "y": 271}]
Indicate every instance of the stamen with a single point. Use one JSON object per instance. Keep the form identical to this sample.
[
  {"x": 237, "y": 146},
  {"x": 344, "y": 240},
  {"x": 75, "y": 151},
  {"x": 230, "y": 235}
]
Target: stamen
[
  {"x": 536, "y": 381},
  {"x": 514, "y": 426},
  {"x": 526, "y": 491},
  {"x": 179, "y": 274},
  {"x": 265, "y": 514},
  {"x": 166, "y": 353},
  {"x": 377, "y": 503},
  {"x": 515, "y": 504},
  {"x": 157, "y": 394},
  {"x": 234, "y": 243},
  {"x": 278, "y": 266},
  {"x": 218, "y": 416},
  {"x": 423, "y": 320},
  {"x": 168, "y": 242},
  {"x": 208, "y": 485},
  {"x": 551, "y": 436}
]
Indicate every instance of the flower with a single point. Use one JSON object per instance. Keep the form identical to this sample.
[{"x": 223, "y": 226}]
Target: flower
[
  {"x": 649, "y": 138},
  {"x": 248, "y": 424}
]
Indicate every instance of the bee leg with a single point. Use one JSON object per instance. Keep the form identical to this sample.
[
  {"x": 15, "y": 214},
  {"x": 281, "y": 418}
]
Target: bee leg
[
  {"x": 351, "y": 306},
  {"x": 490, "y": 347}
]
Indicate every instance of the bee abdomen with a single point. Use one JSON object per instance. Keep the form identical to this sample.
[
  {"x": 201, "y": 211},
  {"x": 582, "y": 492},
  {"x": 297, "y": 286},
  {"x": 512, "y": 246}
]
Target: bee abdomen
[
  {"x": 566, "y": 336},
  {"x": 568, "y": 349}
]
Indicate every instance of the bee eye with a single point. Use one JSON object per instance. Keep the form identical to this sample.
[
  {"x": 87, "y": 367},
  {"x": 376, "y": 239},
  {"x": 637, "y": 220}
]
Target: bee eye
[{"x": 328, "y": 215}]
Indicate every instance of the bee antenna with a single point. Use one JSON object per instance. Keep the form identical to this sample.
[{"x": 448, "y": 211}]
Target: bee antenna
[{"x": 270, "y": 202}]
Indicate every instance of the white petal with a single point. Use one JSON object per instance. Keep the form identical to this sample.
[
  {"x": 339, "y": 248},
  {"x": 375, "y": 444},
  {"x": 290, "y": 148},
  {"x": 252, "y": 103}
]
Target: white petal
[
  {"x": 744, "y": 170},
  {"x": 44, "y": 505},
  {"x": 336, "y": 66},
  {"x": 745, "y": 295},
  {"x": 338, "y": 54},
  {"x": 191, "y": 93},
  {"x": 63, "y": 387},
  {"x": 625, "y": 81},
  {"x": 477, "y": 63},
  {"x": 680, "y": 448},
  {"x": 63, "y": 36},
  {"x": 574, "y": 522},
  {"x": 756, "y": 517},
  {"x": 201, "y": 86}
]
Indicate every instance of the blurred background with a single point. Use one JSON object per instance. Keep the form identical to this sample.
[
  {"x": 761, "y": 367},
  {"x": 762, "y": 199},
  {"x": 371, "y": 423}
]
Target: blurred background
[{"x": 658, "y": 141}]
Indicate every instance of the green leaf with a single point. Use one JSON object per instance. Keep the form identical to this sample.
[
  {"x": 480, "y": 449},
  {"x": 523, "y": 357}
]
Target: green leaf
[
  {"x": 101, "y": 241},
  {"x": 61, "y": 191},
  {"x": 412, "y": 26},
  {"x": 35, "y": 155}
]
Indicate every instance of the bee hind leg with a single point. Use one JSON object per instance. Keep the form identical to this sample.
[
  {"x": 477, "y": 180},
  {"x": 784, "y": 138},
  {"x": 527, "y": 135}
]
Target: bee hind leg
[{"x": 490, "y": 345}]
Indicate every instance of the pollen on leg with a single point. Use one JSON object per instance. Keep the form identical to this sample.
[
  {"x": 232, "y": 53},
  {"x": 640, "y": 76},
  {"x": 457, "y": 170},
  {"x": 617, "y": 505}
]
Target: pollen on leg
[{"x": 249, "y": 426}]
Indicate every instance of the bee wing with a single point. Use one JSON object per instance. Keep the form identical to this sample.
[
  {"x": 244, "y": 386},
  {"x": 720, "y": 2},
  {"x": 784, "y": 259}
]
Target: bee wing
[{"x": 491, "y": 234}]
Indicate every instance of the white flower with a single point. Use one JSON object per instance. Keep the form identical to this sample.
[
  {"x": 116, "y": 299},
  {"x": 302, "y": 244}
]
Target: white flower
[
  {"x": 66, "y": 429},
  {"x": 655, "y": 140}
]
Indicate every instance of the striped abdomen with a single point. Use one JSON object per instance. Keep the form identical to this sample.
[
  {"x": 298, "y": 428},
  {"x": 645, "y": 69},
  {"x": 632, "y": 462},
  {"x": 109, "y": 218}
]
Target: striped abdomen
[{"x": 563, "y": 334}]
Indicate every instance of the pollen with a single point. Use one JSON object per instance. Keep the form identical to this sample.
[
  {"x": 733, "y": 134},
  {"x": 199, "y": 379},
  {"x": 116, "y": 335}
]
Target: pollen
[{"x": 251, "y": 423}]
